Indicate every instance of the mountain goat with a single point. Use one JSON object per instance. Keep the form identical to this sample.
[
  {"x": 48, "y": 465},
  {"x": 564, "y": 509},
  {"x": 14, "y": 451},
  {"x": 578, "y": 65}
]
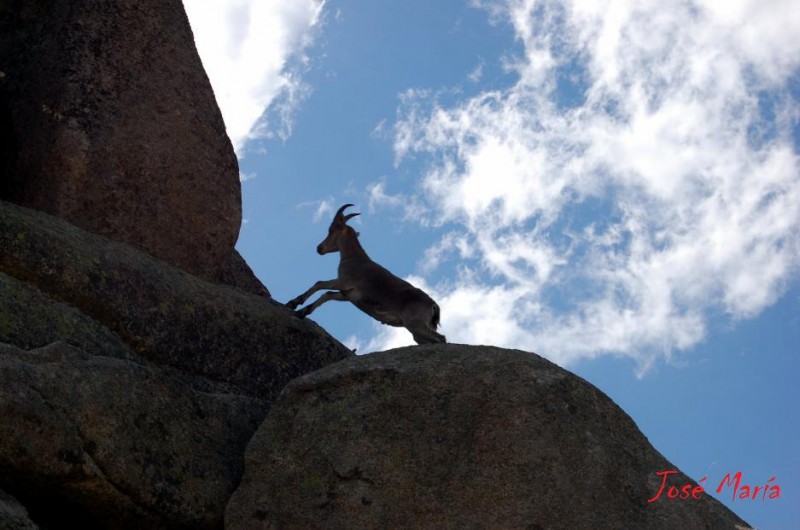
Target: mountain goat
[{"x": 370, "y": 287}]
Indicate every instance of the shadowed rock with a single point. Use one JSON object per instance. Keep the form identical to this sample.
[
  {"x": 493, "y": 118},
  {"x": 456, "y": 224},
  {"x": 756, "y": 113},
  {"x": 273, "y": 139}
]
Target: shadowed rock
[
  {"x": 159, "y": 312},
  {"x": 108, "y": 120},
  {"x": 95, "y": 442},
  {"x": 13, "y": 515},
  {"x": 129, "y": 388},
  {"x": 449, "y": 436}
]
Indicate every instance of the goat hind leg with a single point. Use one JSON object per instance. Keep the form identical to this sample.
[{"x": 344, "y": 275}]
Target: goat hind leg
[{"x": 425, "y": 335}]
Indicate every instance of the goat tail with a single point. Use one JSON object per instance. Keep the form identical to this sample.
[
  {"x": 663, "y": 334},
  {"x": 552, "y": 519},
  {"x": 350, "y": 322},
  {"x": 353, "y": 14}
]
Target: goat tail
[{"x": 435, "y": 316}]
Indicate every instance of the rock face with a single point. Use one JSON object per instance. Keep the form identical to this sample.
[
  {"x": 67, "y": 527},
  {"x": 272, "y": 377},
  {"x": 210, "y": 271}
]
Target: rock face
[
  {"x": 107, "y": 119},
  {"x": 129, "y": 388},
  {"x": 449, "y": 436}
]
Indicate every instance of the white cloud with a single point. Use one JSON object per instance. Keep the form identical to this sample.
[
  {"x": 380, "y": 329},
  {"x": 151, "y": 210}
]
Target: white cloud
[
  {"x": 250, "y": 49},
  {"x": 615, "y": 222}
]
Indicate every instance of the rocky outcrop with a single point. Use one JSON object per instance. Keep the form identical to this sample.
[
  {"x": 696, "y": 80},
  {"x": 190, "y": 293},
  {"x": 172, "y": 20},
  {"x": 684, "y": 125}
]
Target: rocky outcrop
[
  {"x": 129, "y": 388},
  {"x": 159, "y": 312},
  {"x": 449, "y": 436},
  {"x": 107, "y": 119}
]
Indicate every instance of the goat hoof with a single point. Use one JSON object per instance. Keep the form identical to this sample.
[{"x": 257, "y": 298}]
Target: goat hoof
[{"x": 293, "y": 303}]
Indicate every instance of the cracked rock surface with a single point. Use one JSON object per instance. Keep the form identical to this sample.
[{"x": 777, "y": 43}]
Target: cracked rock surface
[{"x": 451, "y": 436}]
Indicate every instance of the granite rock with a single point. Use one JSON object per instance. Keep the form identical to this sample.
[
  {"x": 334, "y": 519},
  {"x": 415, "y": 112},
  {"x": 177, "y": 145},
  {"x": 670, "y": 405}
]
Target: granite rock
[{"x": 451, "y": 436}]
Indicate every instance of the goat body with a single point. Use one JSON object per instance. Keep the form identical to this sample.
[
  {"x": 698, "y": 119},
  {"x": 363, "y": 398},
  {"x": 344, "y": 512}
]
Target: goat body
[{"x": 370, "y": 287}]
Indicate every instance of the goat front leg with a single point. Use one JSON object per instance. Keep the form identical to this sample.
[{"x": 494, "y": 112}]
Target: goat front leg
[
  {"x": 320, "y": 285},
  {"x": 330, "y": 295}
]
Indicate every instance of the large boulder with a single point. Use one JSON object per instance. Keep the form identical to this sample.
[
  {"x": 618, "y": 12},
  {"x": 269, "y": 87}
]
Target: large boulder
[
  {"x": 129, "y": 388},
  {"x": 108, "y": 120},
  {"x": 449, "y": 436}
]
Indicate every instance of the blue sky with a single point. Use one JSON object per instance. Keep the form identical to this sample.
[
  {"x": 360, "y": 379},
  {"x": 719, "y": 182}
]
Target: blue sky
[{"x": 613, "y": 185}]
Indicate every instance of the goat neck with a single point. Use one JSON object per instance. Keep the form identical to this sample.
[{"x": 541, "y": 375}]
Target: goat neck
[{"x": 349, "y": 246}]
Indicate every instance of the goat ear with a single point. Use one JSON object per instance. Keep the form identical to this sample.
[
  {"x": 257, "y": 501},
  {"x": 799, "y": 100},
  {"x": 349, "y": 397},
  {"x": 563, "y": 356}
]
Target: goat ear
[{"x": 358, "y": 234}]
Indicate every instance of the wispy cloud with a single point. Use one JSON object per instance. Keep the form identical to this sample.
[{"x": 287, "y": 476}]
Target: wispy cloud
[
  {"x": 379, "y": 199},
  {"x": 253, "y": 53},
  {"x": 323, "y": 209},
  {"x": 640, "y": 175},
  {"x": 377, "y": 196},
  {"x": 476, "y": 74}
]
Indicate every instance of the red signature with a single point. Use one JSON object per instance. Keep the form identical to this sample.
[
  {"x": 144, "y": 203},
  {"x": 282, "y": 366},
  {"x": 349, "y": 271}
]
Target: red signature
[{"x": 770, "y": 490}]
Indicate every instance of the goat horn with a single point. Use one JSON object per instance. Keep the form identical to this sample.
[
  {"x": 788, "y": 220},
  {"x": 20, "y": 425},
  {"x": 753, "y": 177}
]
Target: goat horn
[
  {"x": 341, "y": 210},
  {"x": 350, "y": 216}
]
